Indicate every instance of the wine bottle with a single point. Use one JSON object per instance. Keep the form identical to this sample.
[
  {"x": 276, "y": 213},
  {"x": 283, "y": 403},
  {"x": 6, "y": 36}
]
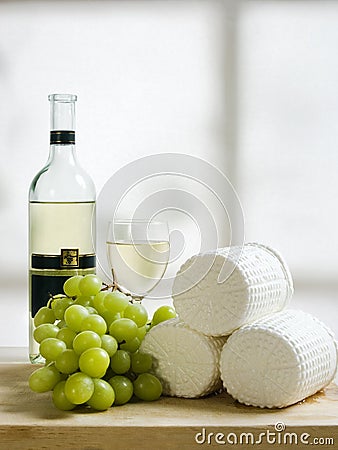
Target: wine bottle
[{"x": 61, "y": 215}]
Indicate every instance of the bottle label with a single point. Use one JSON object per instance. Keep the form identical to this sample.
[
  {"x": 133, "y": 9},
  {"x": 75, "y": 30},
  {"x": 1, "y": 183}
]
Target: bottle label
[
  {"x": 62, "y": 137},
  {"x": 69, "y": 257},
  {"x": 48, "y": 274}
]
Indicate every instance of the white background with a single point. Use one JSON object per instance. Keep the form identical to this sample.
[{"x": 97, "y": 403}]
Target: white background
[{"x": 250, "y": 86}]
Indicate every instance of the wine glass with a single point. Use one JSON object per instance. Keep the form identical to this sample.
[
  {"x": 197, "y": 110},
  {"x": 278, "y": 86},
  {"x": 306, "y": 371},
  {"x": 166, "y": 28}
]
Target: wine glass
[{"x": 138, "y": 254}]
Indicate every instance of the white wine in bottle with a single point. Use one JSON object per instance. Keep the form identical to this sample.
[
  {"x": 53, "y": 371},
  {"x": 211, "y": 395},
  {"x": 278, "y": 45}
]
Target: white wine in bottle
[{"x": 61, "y": 216}]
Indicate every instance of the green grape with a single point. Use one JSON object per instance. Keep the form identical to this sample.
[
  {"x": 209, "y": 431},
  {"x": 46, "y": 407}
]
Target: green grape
[
  {"x": 120, "y": 362},
  {"x": 103, "y": 396},
  {"x": 98, "y": 301},
  {"x": 45, "y": 331},
  {"x": 94, "y": 362},
  {"x": 109, "y": 344},
  {"x": 163, "y": 313},
  {"x": 79, "y": 388},
  {"x": 67, "y": 361},
  {"x": 50, "y": 348},
  {"x": 59, "y": 306},
  {"x": 116, "y": 302},
  {"x": 123, "y": 329},
  {"x": 110, "y": 317},
  {"x": 84, "y": 300},
  {"x": 44, "y": 315},
  {"x": 137, "y": 313},
  {"x": 95, "y": 323},
  {"x": 74, "y": 316},
  {"x": 91, "y": 310},
  {"x": 90, "y": 285},
  {"x": 61, "y": 324},
  {"x": 141, "y": 362},
  {"x": 59, "y": 397},
  {"x": 123, "y": 389},
  {"x": 71, "y": 286},
  {"x": 131, "y": 346},
  {"x": 147, "y": 387},
  {"x": 141, "y": 332},
  {"x": 85, "y": 340},
  {"x": 44, "y": 379},
  {"x": 67, "y": 336}
]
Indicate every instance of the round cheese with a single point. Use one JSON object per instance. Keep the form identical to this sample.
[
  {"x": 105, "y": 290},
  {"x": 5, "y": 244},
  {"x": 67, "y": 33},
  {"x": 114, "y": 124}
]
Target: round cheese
[
  {"x": 217, "y": 292},
  {"x": 186, "y": 361},
  {"x": 278, "y": 360}
]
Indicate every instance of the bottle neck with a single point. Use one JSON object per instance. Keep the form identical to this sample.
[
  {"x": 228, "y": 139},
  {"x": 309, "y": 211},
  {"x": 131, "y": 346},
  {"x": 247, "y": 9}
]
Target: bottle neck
[
  {"x": 62, "y": 111},
  {"x": 62, "y": 128},
  {"x": 62, "y": 154}
]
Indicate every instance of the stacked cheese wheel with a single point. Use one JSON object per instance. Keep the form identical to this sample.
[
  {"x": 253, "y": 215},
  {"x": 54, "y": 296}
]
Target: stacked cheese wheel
[
  {"x": 273, "y": 357},
  {"x": 217, "y": 292},
  {"x": 185, "y": 359},
  {"x": 279, "y": 360}
]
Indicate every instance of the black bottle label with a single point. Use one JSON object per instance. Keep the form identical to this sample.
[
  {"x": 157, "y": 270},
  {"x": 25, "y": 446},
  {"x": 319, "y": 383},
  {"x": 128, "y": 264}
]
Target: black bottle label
[
  {"x": 59, "y": 137},
  {"x": 49, "y": 272}
]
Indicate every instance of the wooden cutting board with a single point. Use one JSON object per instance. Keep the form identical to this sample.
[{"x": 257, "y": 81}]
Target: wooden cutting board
[{"x": 30, "y": 421}]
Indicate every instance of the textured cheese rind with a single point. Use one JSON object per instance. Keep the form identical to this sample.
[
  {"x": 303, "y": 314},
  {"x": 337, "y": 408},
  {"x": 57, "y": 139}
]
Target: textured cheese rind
[
  {"x": 186, "y": 361},
  {"x": 217, "y": 292},
  {"x": 278, "y": 360}
]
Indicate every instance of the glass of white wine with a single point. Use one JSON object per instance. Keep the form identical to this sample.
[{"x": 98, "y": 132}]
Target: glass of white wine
[{"x": 138, "y": 255}]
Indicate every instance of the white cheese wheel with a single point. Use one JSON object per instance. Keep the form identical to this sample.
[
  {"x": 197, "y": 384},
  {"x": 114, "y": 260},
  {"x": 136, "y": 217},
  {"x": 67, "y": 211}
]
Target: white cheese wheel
[
  {"x": 278, "y": 360},
  {"x": 217, "y": 292},
  {"x": 186, "y": 361}
]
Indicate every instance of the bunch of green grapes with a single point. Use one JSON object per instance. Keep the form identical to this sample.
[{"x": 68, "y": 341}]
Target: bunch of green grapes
[{"x": 90, "y": 340}]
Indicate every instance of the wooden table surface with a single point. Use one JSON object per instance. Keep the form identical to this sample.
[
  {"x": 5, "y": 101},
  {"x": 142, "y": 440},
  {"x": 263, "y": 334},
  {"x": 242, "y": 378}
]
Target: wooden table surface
[{"x": 30, "y": 421}]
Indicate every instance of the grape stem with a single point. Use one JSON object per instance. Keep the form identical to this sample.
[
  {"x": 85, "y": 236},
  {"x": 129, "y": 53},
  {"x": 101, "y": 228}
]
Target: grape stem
[
  {"x": 53, "y": 297},
  {"x": 115, "y": 287}
]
